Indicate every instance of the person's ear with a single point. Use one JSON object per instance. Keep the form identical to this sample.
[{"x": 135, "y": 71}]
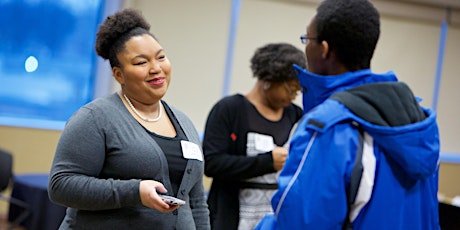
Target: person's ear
[
  {"x": 118, "y": 75},
  {"x": 325, "y": 49}
]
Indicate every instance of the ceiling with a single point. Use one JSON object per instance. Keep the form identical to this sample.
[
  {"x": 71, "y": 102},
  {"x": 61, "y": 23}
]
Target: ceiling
[
  {"x": 434, "y": 11},
  {"x": 453, "y": 4},
  {"x": 428, "y": 10}
]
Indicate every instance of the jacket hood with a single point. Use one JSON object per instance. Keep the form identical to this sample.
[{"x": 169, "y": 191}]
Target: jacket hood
[
  {"x": 406, "y": 132},
  {"x": 317, "y": 88},
  {"x": 414, "y": 147},
  {"x": 387, "y": 110}
]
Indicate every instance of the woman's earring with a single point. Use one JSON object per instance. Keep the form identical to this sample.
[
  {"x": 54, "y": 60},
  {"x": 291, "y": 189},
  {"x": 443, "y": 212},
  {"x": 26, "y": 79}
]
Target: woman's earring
[{"x": 266, "y": 85}]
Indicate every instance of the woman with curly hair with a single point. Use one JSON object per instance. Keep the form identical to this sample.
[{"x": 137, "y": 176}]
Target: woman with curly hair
[
  {"x": 117, "y": 155},
  {"x": 245, "y": 136}
]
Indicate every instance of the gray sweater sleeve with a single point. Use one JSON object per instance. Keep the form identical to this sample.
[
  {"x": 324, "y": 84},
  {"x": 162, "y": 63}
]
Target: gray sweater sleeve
[{"x": 78, "y": 161}]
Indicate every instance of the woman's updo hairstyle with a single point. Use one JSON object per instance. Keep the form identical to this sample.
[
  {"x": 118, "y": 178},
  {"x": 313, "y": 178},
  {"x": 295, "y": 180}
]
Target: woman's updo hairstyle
[
  {"x": 274, "y": 62},
  {"x": 116, "y": 30}
]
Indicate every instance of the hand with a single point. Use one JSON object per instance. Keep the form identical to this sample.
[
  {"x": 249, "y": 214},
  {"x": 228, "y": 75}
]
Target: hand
[
  {"x": 150, "y": 198},
  {"x": 279, "y": 155}
]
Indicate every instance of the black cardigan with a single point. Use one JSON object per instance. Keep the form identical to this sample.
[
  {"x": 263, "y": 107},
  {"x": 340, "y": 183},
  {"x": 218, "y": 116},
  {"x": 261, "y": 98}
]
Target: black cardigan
[{"x": 224, "y": 147}]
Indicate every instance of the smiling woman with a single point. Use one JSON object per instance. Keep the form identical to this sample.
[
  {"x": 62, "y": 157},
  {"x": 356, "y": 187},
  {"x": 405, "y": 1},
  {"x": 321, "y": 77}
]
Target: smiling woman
[{"x": 133, "y": 146}]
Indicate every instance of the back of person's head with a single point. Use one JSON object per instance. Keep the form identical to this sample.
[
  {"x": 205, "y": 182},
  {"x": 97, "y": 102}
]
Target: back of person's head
[
  {"x": 274, "y": 62},
  {"x": 351, "y": 28},
  {"x": 116, "y": 30}
]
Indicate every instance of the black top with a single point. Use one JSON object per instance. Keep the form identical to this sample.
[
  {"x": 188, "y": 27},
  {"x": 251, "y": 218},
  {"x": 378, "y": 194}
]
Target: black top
[
  {"x": 279, "y": 130},
  {"x": 224, "y": 147},
  {"x": 171, "y": 146}
]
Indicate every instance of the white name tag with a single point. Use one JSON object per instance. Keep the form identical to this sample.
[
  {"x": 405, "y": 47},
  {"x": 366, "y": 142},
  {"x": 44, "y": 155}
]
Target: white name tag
[
  {"x": 191, "y": 150},
  {"x": 263, "y": 142}
]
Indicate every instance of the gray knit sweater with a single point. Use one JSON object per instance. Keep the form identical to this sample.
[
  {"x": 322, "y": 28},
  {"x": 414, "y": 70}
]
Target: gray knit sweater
[{"x": 102, "y": 155}]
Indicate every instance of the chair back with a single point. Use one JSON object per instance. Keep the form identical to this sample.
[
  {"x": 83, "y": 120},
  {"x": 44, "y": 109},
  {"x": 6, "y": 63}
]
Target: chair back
[{"x": 6, "y": 169}]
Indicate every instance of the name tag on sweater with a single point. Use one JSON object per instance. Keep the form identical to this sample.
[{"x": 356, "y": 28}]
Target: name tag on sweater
[{"x": 191, "y": 151}]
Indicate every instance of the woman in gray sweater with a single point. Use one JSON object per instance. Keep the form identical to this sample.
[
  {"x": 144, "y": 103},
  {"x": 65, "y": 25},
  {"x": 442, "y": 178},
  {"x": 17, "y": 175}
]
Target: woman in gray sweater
[{"x": 118, "y": 154}]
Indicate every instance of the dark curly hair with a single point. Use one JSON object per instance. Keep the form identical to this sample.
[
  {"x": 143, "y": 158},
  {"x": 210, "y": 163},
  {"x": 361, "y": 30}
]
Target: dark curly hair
[
  {"x": 273, "y": 62},
  {"x": 351, "y": 28},
  {"x": 116, "y": 30}
]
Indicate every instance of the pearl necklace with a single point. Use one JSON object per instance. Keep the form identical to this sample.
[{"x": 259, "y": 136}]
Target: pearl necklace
[{"x": 139, "y": 115}]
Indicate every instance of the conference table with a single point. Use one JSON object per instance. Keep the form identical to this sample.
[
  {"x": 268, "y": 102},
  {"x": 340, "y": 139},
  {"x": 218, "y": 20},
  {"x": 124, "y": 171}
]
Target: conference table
[{"x": 32, "y": 189}]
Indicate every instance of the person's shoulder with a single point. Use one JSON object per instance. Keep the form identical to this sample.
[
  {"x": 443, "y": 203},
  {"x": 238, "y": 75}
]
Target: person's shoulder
[
  {"x": 231, "y": 101},
  {"x": 228, "y": 106},
  {"x": 97, "y": 109},
  {"x": 294, "y": 111},
  {"x": 327, "y": 114},
  {"x": 104, "y": 106},
  {"x": 294, "y": 107},
  {"x": 101, "y": 102}
]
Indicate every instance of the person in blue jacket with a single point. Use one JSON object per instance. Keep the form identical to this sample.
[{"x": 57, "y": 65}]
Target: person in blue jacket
[{"x": 365, "y": 155}]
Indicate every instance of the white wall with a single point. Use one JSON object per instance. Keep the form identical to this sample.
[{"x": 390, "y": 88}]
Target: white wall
[
  {"x": 448, "y": 105},
  {"x": 195, "y": 35},
  {"x": 263, "y": 22}
]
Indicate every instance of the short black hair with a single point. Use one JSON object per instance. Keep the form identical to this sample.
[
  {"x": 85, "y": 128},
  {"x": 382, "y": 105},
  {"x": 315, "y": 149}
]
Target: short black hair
[
  {"x": 274, "y": 62},
  {"x": 351, "y": 28},
  {"x": 116, "y": 30}
]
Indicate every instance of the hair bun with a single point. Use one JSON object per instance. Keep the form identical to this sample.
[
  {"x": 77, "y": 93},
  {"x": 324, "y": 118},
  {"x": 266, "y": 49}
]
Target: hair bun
[{"x": 115, "y": 26}]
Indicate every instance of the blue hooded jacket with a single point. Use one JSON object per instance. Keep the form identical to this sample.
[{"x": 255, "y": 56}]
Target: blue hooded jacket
[{"x": 400, "y": 157}]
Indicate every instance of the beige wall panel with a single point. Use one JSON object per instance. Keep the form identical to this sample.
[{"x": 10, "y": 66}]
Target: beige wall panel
[
  {"x": 449, "y": 175},
  {"x": 32, "y": 149},
  {"x": 410, "y": 49},
  {"x": 262, "y": 22},
  {"x": 449, "y": 95},
  {"x": 194, "y": 35}
]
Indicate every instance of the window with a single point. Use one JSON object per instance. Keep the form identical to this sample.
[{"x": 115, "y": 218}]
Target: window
[{"x": 47, "y": 60}]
